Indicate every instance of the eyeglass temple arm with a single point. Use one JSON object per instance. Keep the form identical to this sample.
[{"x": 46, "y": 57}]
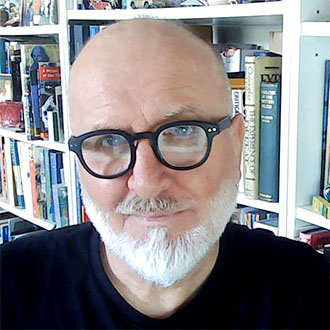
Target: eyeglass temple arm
[{"x": 224, "y": 123}]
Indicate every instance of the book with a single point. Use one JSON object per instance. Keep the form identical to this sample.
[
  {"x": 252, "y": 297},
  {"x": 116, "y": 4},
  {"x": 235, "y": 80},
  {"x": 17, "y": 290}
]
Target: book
[
  {"x": 17, "y": 174},
  {"x": 80, "y": 36},
  {"x": 234, "y": 57},
  {"x": 60, "y": 194},
  {"x": 238, "y": 99},
  {"x": 325, "y": 132},
  {"x": 6, "y": 88},
  {"x": 58, "y": 115},
  {"x": 15, "y": 61},
  {"x": 3, "y": 169},
  {"x": 11, "y": 11},
  {"x": 39, "y": 12},
  {"x": 257, "y": 69},
  {"x": 34, "y": 189},
  {"x": 49, "y": 78},
  {"x": 321, "y": 206},
  {"x": 23, "y": 152},
  {"x": 237, "y": 83},
  {"x": 31, "y": 55},
  {"x": 270, "y": 107},
  {"x": 9, "y": 174},
  {"x": 316, "y": 237}
]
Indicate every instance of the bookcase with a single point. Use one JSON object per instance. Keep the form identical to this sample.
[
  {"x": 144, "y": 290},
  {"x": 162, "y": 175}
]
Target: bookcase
[{"x": 305, "y": 47}]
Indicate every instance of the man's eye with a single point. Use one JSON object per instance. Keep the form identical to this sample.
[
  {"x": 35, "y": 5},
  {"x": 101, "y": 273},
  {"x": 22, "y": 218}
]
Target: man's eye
[
  {"x": 182, "y": 130},
  {"x": 113, "y": 141}
]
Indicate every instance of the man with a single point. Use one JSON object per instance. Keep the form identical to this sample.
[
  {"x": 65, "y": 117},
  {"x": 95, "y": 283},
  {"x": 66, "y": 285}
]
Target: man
[{"x": 159, "y": 158}]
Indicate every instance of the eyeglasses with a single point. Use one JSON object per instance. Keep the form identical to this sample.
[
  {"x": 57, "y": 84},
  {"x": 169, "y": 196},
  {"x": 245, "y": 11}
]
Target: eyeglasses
[{"x": 181, "y": 145}]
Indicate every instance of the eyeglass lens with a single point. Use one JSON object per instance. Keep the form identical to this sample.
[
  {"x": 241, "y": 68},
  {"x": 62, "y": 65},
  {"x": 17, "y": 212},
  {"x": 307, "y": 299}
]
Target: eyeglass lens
[{"x": 180, "y": 146}]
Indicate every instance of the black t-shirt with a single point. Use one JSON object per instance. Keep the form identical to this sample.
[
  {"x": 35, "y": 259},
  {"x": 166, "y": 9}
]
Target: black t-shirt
[{"x": 56, "y": 280}]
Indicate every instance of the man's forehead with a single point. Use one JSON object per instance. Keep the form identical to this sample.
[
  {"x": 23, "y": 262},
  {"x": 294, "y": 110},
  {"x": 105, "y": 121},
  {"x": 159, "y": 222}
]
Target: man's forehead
[{"x": 181, "y": 112}]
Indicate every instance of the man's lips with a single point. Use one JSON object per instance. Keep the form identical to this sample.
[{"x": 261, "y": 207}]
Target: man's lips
[{"x": 156, "y": 217}]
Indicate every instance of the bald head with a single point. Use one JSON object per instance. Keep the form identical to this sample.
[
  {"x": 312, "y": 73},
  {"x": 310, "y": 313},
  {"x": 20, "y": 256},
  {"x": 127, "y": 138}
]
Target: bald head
[{"x": 127, "y": 58}]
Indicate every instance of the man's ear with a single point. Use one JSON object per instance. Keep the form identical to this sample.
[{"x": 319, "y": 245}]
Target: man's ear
[{"x": 237, "y": 124}]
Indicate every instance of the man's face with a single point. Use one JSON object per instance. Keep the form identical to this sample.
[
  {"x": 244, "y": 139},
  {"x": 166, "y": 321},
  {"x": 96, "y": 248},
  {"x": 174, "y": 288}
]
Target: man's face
[{"x": 139, "y": 91}]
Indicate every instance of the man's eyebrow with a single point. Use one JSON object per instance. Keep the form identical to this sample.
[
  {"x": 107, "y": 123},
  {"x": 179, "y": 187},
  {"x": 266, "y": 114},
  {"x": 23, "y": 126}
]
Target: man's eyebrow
[
  {"x": 99, "y": 126},
  {"x": 183, "y": 109}
]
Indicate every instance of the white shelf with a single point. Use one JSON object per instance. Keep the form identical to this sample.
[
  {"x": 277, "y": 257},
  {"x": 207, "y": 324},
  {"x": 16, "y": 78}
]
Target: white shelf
[
  {"x": 306, "y": 213},
  {"x": 40, "y": 143},
  {"x": 22, "y": 214},
  {"x": 267, "y": 206},
  {"x": 39, "y": 30},
  {"x": 255, "y": 13},
  {"x": 315, "y": 29}
]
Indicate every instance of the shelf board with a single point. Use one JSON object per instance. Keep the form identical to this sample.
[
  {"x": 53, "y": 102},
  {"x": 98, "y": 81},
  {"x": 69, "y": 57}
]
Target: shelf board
[
  {"x": 315, "y": 29},
  {"x": 39, "y": 33},
  {"x": 22, "y": 214},
  {"x": 40, "y": 143},
  {"x": 270, "y": 13},
  {"x": 267, "y": 206},
  {"x": 306, "y": 213}
]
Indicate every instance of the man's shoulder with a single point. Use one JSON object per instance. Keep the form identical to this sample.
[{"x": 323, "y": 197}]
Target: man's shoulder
[
  {"x": 45, "y": 243},
  {"x": 260, "y": 244}
]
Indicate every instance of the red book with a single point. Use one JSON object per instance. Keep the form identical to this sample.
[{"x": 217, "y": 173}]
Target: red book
[{"x": 316, "y": 237}]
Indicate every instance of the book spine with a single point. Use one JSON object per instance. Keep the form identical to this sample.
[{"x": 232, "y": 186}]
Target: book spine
[
  {"x": 3, "y": 169},
  {"x": 324, "y": 160},
  {"x": 43, "y": 191},
  {"x": 17, "y": 174},
  {"x": 269, "y": 141},
  {"x": 23, "y": 151},
  {"x": 48, "y": 183},
  {"x": 251, "y": 150},
  {"x": 9, "y": 174},
  {"x": 33, "y": 182},
  {"x": 59, "y": 114}
]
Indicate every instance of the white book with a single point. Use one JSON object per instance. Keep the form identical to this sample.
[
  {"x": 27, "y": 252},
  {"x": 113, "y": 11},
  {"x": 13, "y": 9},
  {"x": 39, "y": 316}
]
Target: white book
[
  {"x": 9, "y": 174},
  {"x": 23, "y": 152}
]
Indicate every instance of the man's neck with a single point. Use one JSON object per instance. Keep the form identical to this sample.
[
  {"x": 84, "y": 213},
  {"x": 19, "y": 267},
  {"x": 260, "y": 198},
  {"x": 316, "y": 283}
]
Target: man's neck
[{"x": 149, "y": 299}]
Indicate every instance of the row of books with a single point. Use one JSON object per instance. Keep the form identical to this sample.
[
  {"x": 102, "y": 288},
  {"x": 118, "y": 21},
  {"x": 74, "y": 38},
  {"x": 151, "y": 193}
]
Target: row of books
[
  {"x": 256, "y": 92},
  {"x": 253, "y": 218},
  {"x": 32, "y": 72},
  {"x": 32, "y": 178},
  {"x": 28, "y": 12},
  {"x": 124, "y": 4},
  {"x": 13, "y": 227}
]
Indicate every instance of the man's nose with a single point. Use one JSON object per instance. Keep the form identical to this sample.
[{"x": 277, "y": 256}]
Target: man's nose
[{"x": 149, "y": 177}]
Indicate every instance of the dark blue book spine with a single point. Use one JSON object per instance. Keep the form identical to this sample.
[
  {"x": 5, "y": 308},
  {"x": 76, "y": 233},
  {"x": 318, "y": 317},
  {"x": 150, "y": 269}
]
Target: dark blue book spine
[
  {"x": 270, "y": 106},
  {"x": 325, "y": 122}
]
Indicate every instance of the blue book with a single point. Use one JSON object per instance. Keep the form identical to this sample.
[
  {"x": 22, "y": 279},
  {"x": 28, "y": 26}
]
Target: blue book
[
  {"x": 270, "y": 107},
  {"x": 325, "y": 123},
  {"x": 17, "y": 174},
  {"x": 56, "y": 163},
  {"x": 93, "y": 30},
  {"x": 78, "y": 195},
  {"x": 55, "y": 160},
  {"x": 48, "y": 184},
  {"x": 5, "y": 233}
]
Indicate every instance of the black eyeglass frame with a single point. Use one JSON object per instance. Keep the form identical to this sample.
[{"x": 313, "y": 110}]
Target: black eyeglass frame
[{"x": 211, "y": 130}]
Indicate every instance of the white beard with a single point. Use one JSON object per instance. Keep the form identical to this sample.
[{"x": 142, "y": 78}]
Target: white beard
[{"x": 160, "y": 259}]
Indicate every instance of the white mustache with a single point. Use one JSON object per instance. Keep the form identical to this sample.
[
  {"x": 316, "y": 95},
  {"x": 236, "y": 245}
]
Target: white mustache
[{"x": 137, "y": 205}]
